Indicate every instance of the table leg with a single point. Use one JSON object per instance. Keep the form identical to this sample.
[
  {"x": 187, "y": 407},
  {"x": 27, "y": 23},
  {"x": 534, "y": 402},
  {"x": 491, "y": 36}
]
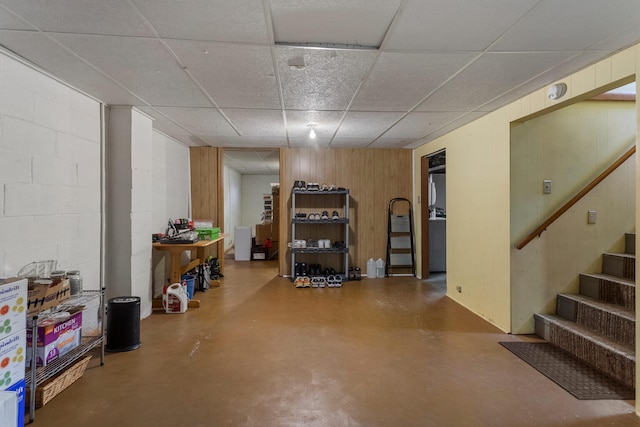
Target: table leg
[{"x": 176, "y": 265}]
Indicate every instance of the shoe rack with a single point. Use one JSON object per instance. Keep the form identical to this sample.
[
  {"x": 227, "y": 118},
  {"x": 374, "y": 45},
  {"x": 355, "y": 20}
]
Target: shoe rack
[{"x": 331, "y": 232}]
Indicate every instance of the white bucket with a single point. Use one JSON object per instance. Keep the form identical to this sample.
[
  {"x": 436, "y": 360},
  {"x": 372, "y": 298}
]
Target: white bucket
[{"x": 175, "y": 300}]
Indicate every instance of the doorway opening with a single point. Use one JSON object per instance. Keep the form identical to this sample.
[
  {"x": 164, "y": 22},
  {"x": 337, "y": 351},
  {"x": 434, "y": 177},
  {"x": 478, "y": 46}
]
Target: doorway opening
[
  {"x": 251, "y": 207},
  {"x": 434, "y": 215}
]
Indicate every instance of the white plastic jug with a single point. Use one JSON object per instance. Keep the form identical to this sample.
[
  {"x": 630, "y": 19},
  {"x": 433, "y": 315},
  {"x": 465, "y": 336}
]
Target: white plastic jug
[
  {"x": 175, "y": 300},
  {"x": 379, "y": 268},
  {"x": 371, "y": 269}
]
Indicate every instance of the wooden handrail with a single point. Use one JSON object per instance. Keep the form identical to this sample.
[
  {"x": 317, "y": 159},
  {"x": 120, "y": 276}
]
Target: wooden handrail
[{"x": 542, "y": 227}]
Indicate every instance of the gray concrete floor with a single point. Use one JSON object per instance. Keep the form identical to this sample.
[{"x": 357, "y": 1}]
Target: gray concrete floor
[{"x": 380, "y": 352}]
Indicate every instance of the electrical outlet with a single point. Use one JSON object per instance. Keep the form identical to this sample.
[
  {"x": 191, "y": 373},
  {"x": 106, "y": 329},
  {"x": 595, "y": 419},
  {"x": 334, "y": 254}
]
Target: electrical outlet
[
  {"x": 459, "y": 289},
  {"x": 592, "y": 217},
  {"x": 546, "y": 186}
]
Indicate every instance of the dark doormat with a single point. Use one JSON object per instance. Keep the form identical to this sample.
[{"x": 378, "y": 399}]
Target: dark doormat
[{"x": 570, "y": 373}]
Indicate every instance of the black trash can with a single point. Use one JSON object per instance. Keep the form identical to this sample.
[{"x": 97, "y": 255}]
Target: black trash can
[{"x": 123, "y": 324}]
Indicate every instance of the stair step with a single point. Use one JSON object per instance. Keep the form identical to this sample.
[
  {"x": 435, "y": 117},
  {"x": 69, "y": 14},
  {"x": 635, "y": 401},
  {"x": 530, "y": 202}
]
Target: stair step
[
  {"x": 630, "y": 243},
  {"x": 611, "y": 320},
  {"x": 608, "y": 288},
  {"x": 613, "y": 358},
  {"x": 620, "y": 265}
]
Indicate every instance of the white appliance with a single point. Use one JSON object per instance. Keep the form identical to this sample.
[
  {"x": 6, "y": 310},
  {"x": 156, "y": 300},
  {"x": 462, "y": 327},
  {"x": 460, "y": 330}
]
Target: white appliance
[{"x": 242, "y": 239}]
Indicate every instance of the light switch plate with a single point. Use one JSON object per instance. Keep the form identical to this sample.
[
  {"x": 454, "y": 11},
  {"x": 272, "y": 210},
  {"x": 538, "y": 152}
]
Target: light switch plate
[
  {"x": 592, "y": 217},
  {"x": 546, "y": 186}
]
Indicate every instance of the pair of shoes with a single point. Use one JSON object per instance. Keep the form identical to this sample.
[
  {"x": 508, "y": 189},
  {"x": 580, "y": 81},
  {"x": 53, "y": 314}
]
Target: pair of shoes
[
  {"x": 334, "y": 281},
  {"x": 302, "y": 282},
  {"x": 325, "y": 215},
  {"x": 335, "y": 215},
  {"x": 299, "y": 184},
  {"x": 315, "y": 270},
  {"x": 339, "y": 245},
  {"x": 301, "y": 215},
  {"x": 324, "y": 244},
  {"x": 313, "y": 186},
  {"x": 314, "y": 216},
  {"x": 357, "y": 274},
  {"x": 329, "y": 271},
  {"x": 298, "y": 244},
  {"x": 352, "y": 274}
]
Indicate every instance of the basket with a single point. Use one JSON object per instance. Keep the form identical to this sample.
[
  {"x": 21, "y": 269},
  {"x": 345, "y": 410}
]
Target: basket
[{"x": 55, "y": 385}]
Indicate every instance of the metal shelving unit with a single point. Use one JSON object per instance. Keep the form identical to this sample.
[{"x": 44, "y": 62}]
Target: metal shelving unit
[
  {"x": 36, "y": 375},
  {"x": 343, "y": 221}
]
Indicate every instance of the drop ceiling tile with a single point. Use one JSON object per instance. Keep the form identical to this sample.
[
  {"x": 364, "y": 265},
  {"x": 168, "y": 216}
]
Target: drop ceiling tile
[
  {"x": 113, "y": 17},
  {"x": 399, "y": 81},
  {"x": 354, "y": 22},
  {"x": 359, "y": 124},
  {"x": 556, "y": 25},
  {"x": 235, "y": 76},
  {"x": 305, "y": 142},
  {"x": 244, "y": 141},
  {"x": 623, "y": 38},
  {"x": 391, "y": 143},
  {"x": 51, "y": 57},
  {"x": 492, "y": 75},
  {"x": 460, "y": 25},
  {"x": 416, "y": 125},
  {"x": 326, "y": 123},
  {"x": 241, "y": 21},
  {"x": 206, "y": 121},
  {"x": 257, "y": 122},
  {"x": 9, "y": 21},
  {"x": 327, "y": 81},
  {"x": 464, "y": 119},
  {"x": 351, "y": 142},
  {"x": 142, "y": 65}
]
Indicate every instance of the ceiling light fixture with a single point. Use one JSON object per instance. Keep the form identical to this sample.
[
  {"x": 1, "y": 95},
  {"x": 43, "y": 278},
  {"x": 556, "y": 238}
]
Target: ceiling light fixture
[
  {"x": 557, "y": 91},
  {"x": 312, "y": 132}
]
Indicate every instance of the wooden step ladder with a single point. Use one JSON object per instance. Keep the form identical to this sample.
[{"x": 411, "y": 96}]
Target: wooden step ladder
[{"x": 400, "y": 249}]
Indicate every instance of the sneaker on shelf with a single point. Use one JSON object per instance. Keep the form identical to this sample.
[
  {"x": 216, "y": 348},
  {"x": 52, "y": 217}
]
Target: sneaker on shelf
[
  {"x": 306, "y": 282},
  {"x": 313, "y": 186},
  {"x": 335, "y": 215},
  {"x": 299, "y": 283},
  {"x": 332, "y": 187},
  {"x": 331, "y": 281},
  {"x": 325, "y": 215},
  {"x": 324, "y": 187},
  {"x": 337, "y": 281}
]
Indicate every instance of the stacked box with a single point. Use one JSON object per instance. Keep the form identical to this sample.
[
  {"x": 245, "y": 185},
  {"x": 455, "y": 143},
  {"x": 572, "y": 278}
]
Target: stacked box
[
  {"x": 208, "y": 233},
  {"x": 13, "y": 306},
  {"x": 13, "y": 339},
  {"x": 55, "y": 338},
  {"x": 45, "y": 294}
]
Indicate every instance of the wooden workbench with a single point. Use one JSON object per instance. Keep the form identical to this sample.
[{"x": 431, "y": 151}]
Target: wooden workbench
[{"x": 197, "y": 257}]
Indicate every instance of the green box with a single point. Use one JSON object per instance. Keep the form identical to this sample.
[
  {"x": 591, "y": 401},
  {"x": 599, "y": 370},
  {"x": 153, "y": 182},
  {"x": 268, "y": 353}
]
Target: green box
[{"x": 208, "y": 233}]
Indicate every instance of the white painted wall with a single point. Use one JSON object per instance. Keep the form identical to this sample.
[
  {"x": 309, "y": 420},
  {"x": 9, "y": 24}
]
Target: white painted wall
[
  {"x": 232, "y": 203},
  {"x": 253, "y": 189},
  {"x": 171, "y": 197},
  {"x": 49, "y": 173},
  {"x": 571, "y": 147},
  {"x": 478, "y": 197}
]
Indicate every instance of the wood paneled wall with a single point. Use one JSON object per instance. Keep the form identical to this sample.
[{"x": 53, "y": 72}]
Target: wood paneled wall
[
  {"x": 373, "y": 177},
  {"x": 207, "y": 191}
]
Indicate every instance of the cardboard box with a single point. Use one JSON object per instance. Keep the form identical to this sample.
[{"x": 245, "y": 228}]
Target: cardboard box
[
  {"x": 55, "y": 337},
  {"x": 19, "y": 388},
  {"x": 43, "y": 295},
  {"x": 263, "y": 232},
  {"x": 12, "y": 358},
  {"x": 13, "y": 305}
]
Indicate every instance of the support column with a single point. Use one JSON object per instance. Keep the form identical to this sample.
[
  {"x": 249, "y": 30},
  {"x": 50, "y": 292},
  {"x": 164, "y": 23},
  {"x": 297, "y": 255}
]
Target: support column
[{"x": 129, "y": 205}]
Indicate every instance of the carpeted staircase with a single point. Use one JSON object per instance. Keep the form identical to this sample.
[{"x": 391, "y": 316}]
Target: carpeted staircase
[{"x": 598, "y": 325}]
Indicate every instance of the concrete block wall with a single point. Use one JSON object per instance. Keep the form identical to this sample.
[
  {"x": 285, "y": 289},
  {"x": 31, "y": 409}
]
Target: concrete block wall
[
  {"x": 49, "y": 173},
  {"x": 171, "y": 188}
]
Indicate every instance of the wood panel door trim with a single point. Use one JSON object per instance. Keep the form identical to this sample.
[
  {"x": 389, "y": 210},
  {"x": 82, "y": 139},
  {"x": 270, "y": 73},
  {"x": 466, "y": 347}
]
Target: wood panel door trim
[{"x": 424, "y": 215}]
